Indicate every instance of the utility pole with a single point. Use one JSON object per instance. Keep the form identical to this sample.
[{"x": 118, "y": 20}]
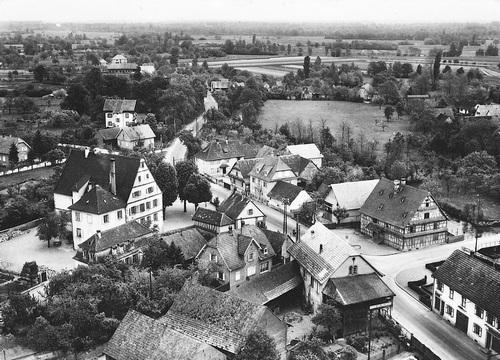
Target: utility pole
[
  {"x": 369, "y": 334},
  {"x": 477, "y": 231},
  {"x": 286, "y": 202}
]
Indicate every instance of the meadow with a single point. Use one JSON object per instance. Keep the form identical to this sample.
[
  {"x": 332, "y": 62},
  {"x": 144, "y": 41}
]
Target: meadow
[{"x": 361, "y": 118}]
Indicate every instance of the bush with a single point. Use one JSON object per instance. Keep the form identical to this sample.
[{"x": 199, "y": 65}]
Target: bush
[{"x": 359, "y": 342}]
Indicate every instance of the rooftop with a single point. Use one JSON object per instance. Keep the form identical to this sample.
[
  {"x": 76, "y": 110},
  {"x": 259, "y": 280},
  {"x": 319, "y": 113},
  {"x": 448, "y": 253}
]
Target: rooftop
[
  {"x": 138, "y": 132},
  {"x": 118, "y": 105},
  {"x": 350, "y": 195},
  {"x": 308, "y": 151},
  {"x": 234, "y": 205},
  {"x": 227, "y": 149},
  {"x": 97, "y": 200},
  {"x": 211, "y": 217},
  {"x": 284, "y": 190}
]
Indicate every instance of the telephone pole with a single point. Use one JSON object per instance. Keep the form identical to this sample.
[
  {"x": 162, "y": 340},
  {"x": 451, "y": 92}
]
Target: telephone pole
[{"x": 286, "y": 202}]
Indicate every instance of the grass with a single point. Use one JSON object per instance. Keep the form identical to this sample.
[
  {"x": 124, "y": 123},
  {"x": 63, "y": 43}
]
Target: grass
[
  {"x": 359, "y": 116},
  {"x": 22, "y": 177}
]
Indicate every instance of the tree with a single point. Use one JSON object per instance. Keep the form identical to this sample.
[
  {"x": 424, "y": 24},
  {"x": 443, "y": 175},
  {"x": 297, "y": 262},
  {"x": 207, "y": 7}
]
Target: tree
[
  {"x": 159, "y": 254},
  {"x": 307, "y": 64},
  {"x": 13, "y": 154},
  {"x": 389, "y": 92},
  {"x": 77, "y": 99},
  {"x": 340, "y": 214},
  {"x": 40, "y": 73},
  {"x": 55, "y": 155},
  {"x": 197, "y": 190},
  {"x": 317, "y": 63},
  {"x": 258, "y": 346},
  {"x": 30, "y": 271},
  {"x": 330, "y": 317},
  {"x": 174, "y": 55},
  {"x": 184, "y": 170},
  {"x": 51, "y": 227},
  {"x": 166, "y": 178},
  {"x": 193, "y": 144},
  {"x": 376, "y": 67},
  {"x": 476, "y": 169},
  {"x": 400, "y": 108},
  {"x": 398, "y": 170},
  {"x": 435, "y": 68},
  {"x": 388, "y": 112}
]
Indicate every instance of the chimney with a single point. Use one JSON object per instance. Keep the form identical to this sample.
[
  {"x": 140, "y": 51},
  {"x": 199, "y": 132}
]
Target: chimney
[
  {"x": 397, "y": 184},
  {"x": 241, "y": 227},
  {"x": 230, "y": 230},
  {"x": 320, "y": 248},
  {"x": 112, "y": 176},
  {"x": 87, "y": 152},
  {"x": 89, "y": 186},
  {"x": 98, "y": 233}
]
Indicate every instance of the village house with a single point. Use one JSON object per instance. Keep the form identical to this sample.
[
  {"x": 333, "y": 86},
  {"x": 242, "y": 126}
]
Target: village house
[
  {"x": 350, "y": 196},
  {"x": 212, "y": 220},
  {"x": 119, "y": 241},
  {"x": 140, "y": 337},
  {"x": 307, "y": 151},
  {"x": 119, "y": 112},
  {"x": 120, "y": 65},
  {"x": 487, "y": 110},
  {"x": 130, "y": 138},
  {"x": 222, "y": 84},
  {"x": 470, "y": 50},
  {"x": 466, "y": 294},
  {"x": 240, "y": 175},
  {"x": 6, "y": 142},
  {"x": 242, "y": 210},
  {"x": 334, "y": 271},
  {"x": 222, "y": 320},
  {"x": 236, "y": 256},
  {"x": 103, "y": 191},
  {"x": 403, "y": 217},
  {"x": 283, "y": 192},
  {"x": 189, "y": 239},
  {"x": 293, "y": 169}
]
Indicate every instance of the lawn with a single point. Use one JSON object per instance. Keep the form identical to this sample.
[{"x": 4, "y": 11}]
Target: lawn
[
  {"x": 360, "y": 117},
  {"x": 22, "y": 177}
]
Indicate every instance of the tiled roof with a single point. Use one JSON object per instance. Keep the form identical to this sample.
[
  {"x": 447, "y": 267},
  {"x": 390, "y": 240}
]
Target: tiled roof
[
  {"x": 244, "y": 166},
  {"x": 266, "y": 151},
  {"x": 268, "y": 166},
  {"x": 297, "y": 163},
  {"x": 211, "y": 217},
  {"x": 276, "y": 239},
  {"x": 123, "y": 66},
  {"x": 391, "y": 206},
  {"x": 118, "y": 105},
  {"x": 234, "y": 205},
  {"x": 284, "y": 190},
  {"x": 190, "y": 241},
  {"x": 350, "y": 195},
  {"x": 308, "y": 151},
  {"x": 243, "y": 243},
  {"x": 227, "y": 149},
  {"x": 266, "y": 287},
  {"x": 118, "y": 235},
  {"x": 97, "y": 166},
  {"x": 334, "y": 251},
  {"x": 98, "y": 201},
  {"x": 138, "y": 132},
  {"x": 472, "y": 278},
  {"x": 6, "y": 142},
  {"x": 109, "y": 133},
  {"x": 357, "y": 289},
  {"x": 139, "y": 337},
  {"x": 220, "y": 319}
]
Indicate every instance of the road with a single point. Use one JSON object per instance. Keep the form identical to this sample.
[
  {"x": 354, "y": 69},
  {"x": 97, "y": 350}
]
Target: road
[{"x": 176, "y": 151}]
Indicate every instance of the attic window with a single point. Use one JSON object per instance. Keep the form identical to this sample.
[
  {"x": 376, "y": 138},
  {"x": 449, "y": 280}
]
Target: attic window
[
  {"x": 381, "y": 206},
  {"x": 403, "y": 199},
  {"x": 381, "y": 192}
]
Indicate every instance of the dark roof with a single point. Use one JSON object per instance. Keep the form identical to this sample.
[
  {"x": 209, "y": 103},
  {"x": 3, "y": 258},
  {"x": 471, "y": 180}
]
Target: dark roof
[
  {"x": 245, "y": 166},
  {"x": 211, "y": 217},
  {"x": 98, "y": 201},
  {"x": 268, "y": 166},
  {"x": 266, "y": 151},
  {"x": 276, "y": 239},
  {"x": 234, "y": 205},
  {"x": 472, "y": 278},
  {"x": 118, "y": 105},
  {"x": 396, "y": 207},
  {"x": 215, "y": 318},
  {"x": 139, "y": 337},
  {"x": 122, "y": 66},
  {"x": 218, "y": 150},
  {"x": 109, "y": 133},
  {"x": 357, "y": 289},
  {"x": 284, "y": 190},
  {"x": 118, "y": 235},
  {"x": 97, "y": 166},
  {"x": 190, "y": 241},
  {"x": 296, "y": 162},
  {"x": 243, "y": 243},
  {"x": 269, "y": 286}
]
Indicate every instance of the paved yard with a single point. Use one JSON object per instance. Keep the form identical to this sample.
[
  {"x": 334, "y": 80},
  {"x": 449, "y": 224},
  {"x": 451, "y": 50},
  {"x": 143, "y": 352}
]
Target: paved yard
[
  {"x": 176, "y": 217},
  {"x": 28, "y": 247},
  {"x": 363, "y": 243}
]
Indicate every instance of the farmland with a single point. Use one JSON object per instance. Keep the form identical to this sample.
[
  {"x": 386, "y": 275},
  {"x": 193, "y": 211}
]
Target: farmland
[{"x": 360, "y": 117}]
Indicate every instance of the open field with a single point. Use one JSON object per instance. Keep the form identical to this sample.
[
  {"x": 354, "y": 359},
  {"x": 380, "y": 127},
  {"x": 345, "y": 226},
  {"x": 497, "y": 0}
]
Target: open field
[
  {"x": 22, "y": 177},
  {"x": 361, "y": 118}
]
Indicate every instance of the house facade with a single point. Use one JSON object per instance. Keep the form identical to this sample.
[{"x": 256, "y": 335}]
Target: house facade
[
  {"x": 239, "y": 175},
  {"x": 139, "y": 136},
  {"x": 118, "y": 112},
  {"x": 242, "y": 210},
  {"x": 466, "y": 294},
  {"x": 403, "y": 217},
  {"x": 294, "y": 195},
  {"x": 212, "y": 220},
  {"x": 103, "y": 191},
  {"x": 6, "y": 142},
  {"x": 307, "y": 151}
]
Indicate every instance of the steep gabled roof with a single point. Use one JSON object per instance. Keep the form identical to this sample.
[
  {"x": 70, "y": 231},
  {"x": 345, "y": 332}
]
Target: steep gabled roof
[
  {"x": 227, "y": 149},
  {"x": 321, "y": 264},
  {"x": 284, "y": 190},
  {"x": 97, "y": 166},
  {"x": 190, "y": 240},
  {"x": 266, "y": 168},
  {"x": 350, "y": 195},
  {"x": 243, "y": 243},
  {"x": 297, "y": 163},
  {"x": 276, "y": 239},
  {"x": 139, "y": 337},
  {"x": 244, "y": 166},
  {"x": 118, "y": 235},
  {"x": 138, "y": 132},
  {"x": 234, "y": 205},
  {"x": 473, "y": 279},
  {"x": 396, "y": 207},
  {"x": 118, "y": 105},
  {"x": 215, "y": 318},
  {"x": 98, "y": 201},
  {"x": 211, "y": 217},
  {"x": 109, "y": 133},
  {"x": 308, "y": 151}
]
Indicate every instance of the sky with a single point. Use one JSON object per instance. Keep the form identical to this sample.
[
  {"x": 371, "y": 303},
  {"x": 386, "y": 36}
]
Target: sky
[{"x": 387, "y": 11}]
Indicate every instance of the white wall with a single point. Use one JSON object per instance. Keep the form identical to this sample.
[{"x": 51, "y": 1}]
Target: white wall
[
  {"x": 362, "y": 264},
  {"x": 90, "y": 223},
  {"x": 62, "y": 202},
  {"x": 118, "y": 120}
]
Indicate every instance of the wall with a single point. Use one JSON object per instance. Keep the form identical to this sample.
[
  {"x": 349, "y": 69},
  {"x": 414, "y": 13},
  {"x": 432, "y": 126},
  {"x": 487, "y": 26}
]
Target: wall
[
  {"x": 363, "y": 267},
  {"x": 62, "y": 202},
  {"x": 302, "y": 198},
  {"x": 90, "y": 223},
  {"x": 249, "y": 219},
  {"x": 119, "y": 120},
  {"x": 213, "y": 168},
  {"x": 277, "y": 330}
]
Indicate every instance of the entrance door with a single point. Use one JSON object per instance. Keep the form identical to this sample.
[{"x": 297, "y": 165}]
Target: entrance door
[
  {"x": 441, "y": 312},
  {"x": 462, "y": 322},
  {"x": 492, "y": 342},
  {"x": 437, "y": 303}
]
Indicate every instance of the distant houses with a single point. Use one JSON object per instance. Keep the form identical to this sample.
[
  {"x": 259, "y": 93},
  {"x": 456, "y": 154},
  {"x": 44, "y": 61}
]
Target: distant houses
[
  {"x": 128, "y": 137},
  {"x": 307, "y": 151},
  {"x": 6, "y": 142},
  {"x": 118, "y": 112}
]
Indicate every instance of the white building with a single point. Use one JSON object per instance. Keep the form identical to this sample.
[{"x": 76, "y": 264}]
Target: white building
[
  {"x": 307, "y": 151},
  {"x": 148, "y": 68},
  {"x": 466, "y": 293},
  {"x": 119, "y": 59},
  {"x": 136, "y": 136},
  {"x": 103, "y": 191},
  {"x": 119, "y": 113}
]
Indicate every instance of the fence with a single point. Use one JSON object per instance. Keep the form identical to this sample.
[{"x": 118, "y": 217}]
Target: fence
[
  {"x": 30, "y": 167},
  {"x": 14, "y": 231}
]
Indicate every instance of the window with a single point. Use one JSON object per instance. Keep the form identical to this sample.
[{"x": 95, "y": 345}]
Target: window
[
  {"x": 155, "y": 216},
  {"x": 265, "y": 251},
  {"x": 250, "y": 211},
  {"x": 79, "y": 233},
  {"x": 142, "y": 164},
  {"x": 77, "y": 216},
  {"x": 353, "y": 269},
  {"x": 139, "y": 179},
  {"x": 237, "y": 275},
  {"x": 105, "y": 219},
  {"x": 464, "y": 301},
  {"x": 477, "y": 330},
  {"x": 490, "y": 319},
  {"x": 213, "y": 257},
  {"x": 311, "y": 284},
  {"x": 155, "y": 202},
  {"x": 250, "y": 256},
  {"x": 142, "y": 208},
  {"x": 147, "y": 176},
  {"x": 150, "y": 190},
  {"x": 133, "y": 210},
  {"x": 449, "y": 310},
  {"x": 264, "y": 267},
  {"x": 220, "y": 275},
  {"x": 479, "y": 312},
  {"x": 148, "y": 205},
  {"x": 119, "y": 214},
  {"x": 426, "y": 215},
  {"x": 89, "y": 219},
  {"x": 250, "y": 270},
  {"x": 109, "y": 115},
  {"x": 452, "y": 293},
  {"x": 136, "y": 194}
]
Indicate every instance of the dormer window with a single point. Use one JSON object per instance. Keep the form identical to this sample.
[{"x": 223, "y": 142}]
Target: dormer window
[
  {"x": 250, "y": 211},
  {"x": 250, "y": 256},
  {"x": 265, "y": 251},
  {"x": 213, "y": 257}
]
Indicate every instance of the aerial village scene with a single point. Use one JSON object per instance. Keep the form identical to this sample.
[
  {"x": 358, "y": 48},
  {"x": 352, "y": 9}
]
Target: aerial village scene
[{"x": 249, "y": 180}]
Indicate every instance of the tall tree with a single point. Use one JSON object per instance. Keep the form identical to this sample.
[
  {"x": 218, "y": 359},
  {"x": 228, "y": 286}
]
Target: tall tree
[
  {"x": 13, "y": 154},
  {"x": 258, "y": 346},
  {"x": 77, "y": 99},
  {"x": 388, "y": 112},
  {"x": 197, "y": 190},
  {"x": 329, "y": 317},
  {"x": 184, "y": 171},
  {"x": 307, "y": 64},
  {"x": 50, "y": 228},
  {"x": 166, "y": 178},
  {"x": 435, "y": 68}
]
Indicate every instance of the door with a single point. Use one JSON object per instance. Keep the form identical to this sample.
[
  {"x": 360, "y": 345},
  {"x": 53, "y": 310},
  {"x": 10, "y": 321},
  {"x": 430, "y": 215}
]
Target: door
[
  {"x": 462, "y": 322},
  {"x": 437, "y": 303}
]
